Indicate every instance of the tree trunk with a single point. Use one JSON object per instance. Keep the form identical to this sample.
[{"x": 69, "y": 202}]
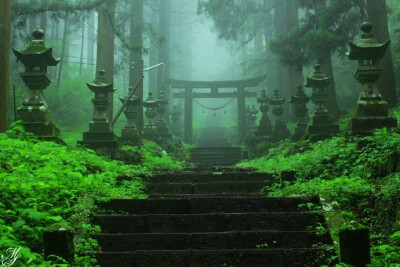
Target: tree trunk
[
  {"x": 136, "y": 40},
  {"x": 283, "y": 72},
  {"x": 105, "y": 46},
  {"x": 82, "y": 46},
  {"x": 296, "y": 73},
  {"x": 63, "y": 59},
  {"x": 153, "y": 57},
  {"x": 43, "y": 18},
  {"x": 5, "y": 43},
  {"x": 377, "y": 14},
  {"x": 90, "y": 39},
  {"x": 32, "y": 19},
  {"x": 324, "y": 58},
  {"x": 163, "y": 52}
]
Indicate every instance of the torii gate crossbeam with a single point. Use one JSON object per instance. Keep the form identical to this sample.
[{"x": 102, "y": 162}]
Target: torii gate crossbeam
[{"x": 240, "y": 94}]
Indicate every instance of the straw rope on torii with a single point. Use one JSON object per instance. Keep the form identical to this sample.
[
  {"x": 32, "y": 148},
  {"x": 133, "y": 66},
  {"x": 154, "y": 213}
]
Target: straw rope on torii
[{"x": 190, "y": 96}]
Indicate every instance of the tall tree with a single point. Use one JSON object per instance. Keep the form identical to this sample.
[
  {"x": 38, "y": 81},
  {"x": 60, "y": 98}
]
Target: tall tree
[
  {"x": 5, "y": 43},
  {"x": 377, "y": 14},
  {"x": 90, "y": 38},
  {"x": 164, "y": 23},
  {"x": 105, "y": 46},
  {"x": 63, "y": 54},
  {"x": 282, "y": 70},
  {"x": 136, "y": 40},
  {"x": 292, "y": 21},
  {"x": 153, "y": 57},
  {"x": 325, "y": 28}
]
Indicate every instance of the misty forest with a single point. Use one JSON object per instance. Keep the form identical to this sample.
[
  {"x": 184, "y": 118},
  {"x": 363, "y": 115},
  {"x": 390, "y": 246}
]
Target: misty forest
[{"x": 177, "y": 133}]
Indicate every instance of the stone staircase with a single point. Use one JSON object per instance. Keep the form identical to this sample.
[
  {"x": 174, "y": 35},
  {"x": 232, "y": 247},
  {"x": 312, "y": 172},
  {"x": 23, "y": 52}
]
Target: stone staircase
[
  {"x": 215, "y": 156},
  {"x": 210, "y": 219}
]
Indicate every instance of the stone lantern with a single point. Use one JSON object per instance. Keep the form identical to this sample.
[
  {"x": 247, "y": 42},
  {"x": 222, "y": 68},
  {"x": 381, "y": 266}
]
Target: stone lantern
[
  {"x": 371, "y": 111},
  {"x": 280, "y": 130},
  {"x": 100, "y": 136},
  {"x": 175, "y": 113},
  {"x": 299, "y": 102},
  {"x": 34, "y": 111},
  {"x": 321, "y": 126},
  {"x": 161, "y": 125},
  {"x": 265, "y": 128},
  {"x": 129, "y": 134},
  {"x": 150, "y": 130}
]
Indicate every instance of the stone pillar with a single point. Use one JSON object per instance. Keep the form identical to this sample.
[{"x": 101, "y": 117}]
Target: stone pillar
[
  {"x": 34, "y": 112},
  {"x": 100, "y": 136},
  {"x": 371, "y": 110}
]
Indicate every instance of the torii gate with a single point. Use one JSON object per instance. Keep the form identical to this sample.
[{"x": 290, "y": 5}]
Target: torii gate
[{"x": 189, "y": 95}]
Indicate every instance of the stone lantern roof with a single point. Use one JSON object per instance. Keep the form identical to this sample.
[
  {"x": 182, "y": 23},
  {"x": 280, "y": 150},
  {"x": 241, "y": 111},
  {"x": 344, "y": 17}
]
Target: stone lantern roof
[
  {"x": 150, "y": 102},
  {"x": 367, "y": 47},
  {"x": 318, "y": 79},
  {"x": 36, "y": 54},
  {"x": 100, "y": 83},
  {"x": 263, "y": 99}
]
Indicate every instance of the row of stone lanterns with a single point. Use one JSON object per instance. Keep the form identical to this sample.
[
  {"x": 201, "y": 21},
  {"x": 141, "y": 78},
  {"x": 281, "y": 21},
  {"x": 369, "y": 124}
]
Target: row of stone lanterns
[{"x": 371, "y": 111}]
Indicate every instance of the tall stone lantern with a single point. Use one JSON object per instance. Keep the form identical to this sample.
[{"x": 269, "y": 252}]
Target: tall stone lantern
[
  {"x": 371, "y": 111},
  {"x": 280, "y": 130},
  {"x": 129, "y": 134},
  {"x": 100, "y": 136},
  {"x": 299, "y": 102},
  {"x": 161, "y": 125},
  {"x": 265, "y": 127},
  {"x": 150, "y": 130},
  {"x": 34, "y": 111},
  {"x": 321, "y": 126}
]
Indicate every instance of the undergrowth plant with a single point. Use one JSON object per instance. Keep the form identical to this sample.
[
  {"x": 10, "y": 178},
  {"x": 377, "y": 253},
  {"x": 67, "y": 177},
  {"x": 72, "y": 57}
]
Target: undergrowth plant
[
  {"x": 358, "y": 176},
  {"x": 43, "y": 183}
]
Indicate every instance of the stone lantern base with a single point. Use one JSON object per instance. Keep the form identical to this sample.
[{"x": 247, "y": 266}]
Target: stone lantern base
[
  {"x": 321, "y": 128},
  {"x": 129, "y": 136},
  {"x": 38, "y": 120},
  {"x": 370, "y": 115},
  {"x": 151, "y": 133},
  {"x": 299, "y": 132},
  {"x": 280, "y": 131},
  {"x": 164, "y": 133},
  {"x": 99, "y": 138}
]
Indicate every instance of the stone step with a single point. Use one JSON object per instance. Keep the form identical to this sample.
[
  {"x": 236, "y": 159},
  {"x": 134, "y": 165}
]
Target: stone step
[
  {"x": 212, "y": 204},
  {"x": 209, "y": 188},
  {"x": 204, "y": 241},
  {"x": 202, "y": 177},
  {"x": 216, "y": 258},
  {"x": 214, "y": 222},
  {"x": 186, "y": 196},
  {"x": 215, "y": 156}
]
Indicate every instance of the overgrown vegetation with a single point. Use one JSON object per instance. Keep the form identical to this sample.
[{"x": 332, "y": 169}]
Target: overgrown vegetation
[
  {"x": 358, "y": 176},
  {"x": 42, "y": 183}
]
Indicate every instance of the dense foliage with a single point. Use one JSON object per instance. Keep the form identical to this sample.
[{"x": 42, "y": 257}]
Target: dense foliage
[
  {"x": 42, "y": 183},
  {"x": 359, "y": 177}
]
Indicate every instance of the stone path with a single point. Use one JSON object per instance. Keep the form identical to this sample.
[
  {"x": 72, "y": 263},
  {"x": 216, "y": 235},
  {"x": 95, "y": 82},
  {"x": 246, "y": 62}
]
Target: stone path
[{"x": 210, "y": 219}]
